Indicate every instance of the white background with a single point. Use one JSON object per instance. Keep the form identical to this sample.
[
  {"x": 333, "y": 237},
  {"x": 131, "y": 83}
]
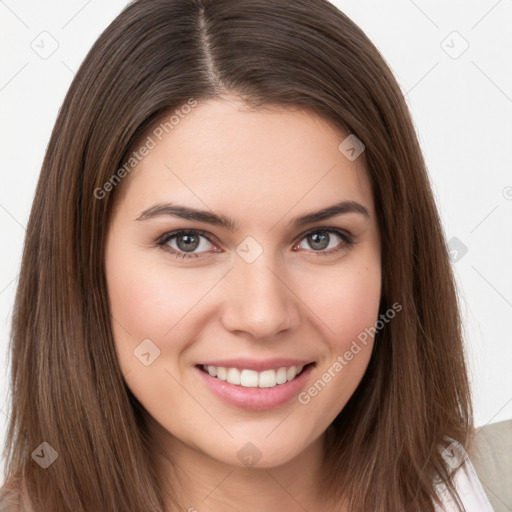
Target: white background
[{"x": 462, "y": 109}]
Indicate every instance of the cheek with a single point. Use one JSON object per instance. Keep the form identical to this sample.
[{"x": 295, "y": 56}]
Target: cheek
[
  {"x": 348, "y": 308},
  {"x": 345, "y": 300},
  {"x": 142, "y": 305},
  {"x": 152, "y": 301},
  {"x": 358, "y": 304},
  {"x": 148, "y": 299}
]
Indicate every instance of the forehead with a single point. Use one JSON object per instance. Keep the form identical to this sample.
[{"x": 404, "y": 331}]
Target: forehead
[{"x": 221, "y": 154}]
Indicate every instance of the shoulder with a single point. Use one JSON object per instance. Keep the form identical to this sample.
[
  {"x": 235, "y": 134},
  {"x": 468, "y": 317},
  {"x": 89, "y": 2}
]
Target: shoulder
[
  {"x": 9, "y": 499},
  {"x": 14, "y": 497},
  {"x": 466, "y": 481},
  {"x": 491, "y": 453}
]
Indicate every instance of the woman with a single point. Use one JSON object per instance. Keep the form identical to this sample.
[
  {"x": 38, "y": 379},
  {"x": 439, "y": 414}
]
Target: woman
[{"x": 235, "y": 290}]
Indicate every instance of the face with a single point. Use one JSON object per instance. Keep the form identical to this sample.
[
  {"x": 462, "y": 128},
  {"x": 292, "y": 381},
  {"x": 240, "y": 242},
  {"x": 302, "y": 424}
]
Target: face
[{"x": 245, "y": 291}]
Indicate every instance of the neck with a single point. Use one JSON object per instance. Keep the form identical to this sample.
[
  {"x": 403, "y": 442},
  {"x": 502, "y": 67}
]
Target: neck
[{"x": 203, "y": 484}]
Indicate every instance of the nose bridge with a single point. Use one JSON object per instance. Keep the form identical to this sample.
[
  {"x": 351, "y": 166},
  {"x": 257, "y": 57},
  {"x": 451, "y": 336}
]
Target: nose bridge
[{"x": 259, "y": 300}]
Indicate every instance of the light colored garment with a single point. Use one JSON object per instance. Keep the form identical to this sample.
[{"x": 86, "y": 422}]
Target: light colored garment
[
  {"x": 467, "y": 483},
  {"x": 491, "y": 455}
]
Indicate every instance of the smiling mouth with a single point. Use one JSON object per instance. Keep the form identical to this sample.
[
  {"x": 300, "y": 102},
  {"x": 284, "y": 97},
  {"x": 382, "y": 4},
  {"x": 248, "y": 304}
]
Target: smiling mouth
[{"x": 253, "y": 379}]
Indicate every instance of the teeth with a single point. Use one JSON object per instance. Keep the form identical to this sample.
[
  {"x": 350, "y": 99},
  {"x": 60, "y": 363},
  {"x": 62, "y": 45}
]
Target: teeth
[
  {"x": 249, "y": 378},
  {"x": 291, "y": 372},
  {"x": 253, "y": 379},
  {"x": 281, "y": 376},
  {"x": 233, "y": 376}
]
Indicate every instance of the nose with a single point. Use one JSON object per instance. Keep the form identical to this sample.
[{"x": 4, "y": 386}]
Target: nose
[{"x": 259, "y": 299}]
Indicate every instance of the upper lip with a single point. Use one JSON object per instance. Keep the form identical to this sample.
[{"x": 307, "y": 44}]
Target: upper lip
[{"x": 257, "y": 365}]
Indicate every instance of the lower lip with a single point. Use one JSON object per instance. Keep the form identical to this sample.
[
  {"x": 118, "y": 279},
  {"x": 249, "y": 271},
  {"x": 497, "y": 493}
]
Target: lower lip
[{"x": 256, "y": 399}]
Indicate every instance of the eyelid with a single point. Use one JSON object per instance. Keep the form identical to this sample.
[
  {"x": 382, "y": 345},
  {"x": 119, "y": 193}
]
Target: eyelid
[
  {"x": 162, "y": 240},
  {"x": 326, "y": 228},
  {"x": 346, "y": 236}
]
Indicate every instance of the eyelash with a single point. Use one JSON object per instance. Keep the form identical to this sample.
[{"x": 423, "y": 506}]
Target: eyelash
[{"x": 163, "y": 240}]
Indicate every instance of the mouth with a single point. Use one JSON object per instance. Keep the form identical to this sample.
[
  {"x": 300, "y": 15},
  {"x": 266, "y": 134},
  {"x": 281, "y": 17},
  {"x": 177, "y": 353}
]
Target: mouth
[
  {"x": 247, "y": 388},
  {"x": 253, "y": 379}
]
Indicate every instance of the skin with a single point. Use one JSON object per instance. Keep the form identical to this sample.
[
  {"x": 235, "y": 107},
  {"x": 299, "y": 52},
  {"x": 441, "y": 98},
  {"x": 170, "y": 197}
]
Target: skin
[{"x": 261, "y": 168}]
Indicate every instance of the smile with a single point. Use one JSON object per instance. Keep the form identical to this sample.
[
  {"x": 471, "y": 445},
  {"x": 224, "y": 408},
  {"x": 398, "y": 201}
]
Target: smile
[
  {"x": 253, "y": 379},
  {"x": 255, "y": 388}
]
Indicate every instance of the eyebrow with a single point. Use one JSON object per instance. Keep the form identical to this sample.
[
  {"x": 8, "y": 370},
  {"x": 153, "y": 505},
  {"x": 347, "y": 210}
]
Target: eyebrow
[{"x": 185, "y": 212}]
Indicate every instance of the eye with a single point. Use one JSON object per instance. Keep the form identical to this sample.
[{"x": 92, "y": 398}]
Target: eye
[
  {"x": 325, "y": 238},
  {"x": 181, "y": 244}
]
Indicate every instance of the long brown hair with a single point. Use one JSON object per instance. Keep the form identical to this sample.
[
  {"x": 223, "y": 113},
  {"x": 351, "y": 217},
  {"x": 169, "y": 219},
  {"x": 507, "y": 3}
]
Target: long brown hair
[{"x": 67, "y": 387}]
